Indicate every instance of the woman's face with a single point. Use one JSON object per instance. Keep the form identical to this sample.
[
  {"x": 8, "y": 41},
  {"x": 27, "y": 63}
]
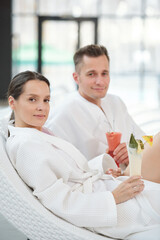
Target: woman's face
[{"x": 31, "y": 109}]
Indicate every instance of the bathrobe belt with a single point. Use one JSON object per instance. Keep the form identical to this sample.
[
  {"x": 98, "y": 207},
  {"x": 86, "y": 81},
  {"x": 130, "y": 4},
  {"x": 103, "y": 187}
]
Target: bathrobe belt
[{"x": 87, "y": 185}]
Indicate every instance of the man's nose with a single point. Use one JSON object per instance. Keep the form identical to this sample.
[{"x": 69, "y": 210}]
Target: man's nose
[{"x": 99, "y": 79}]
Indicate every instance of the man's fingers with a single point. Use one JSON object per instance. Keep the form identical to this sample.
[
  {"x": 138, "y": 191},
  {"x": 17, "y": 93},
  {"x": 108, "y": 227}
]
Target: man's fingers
[
  {"x": 125, "y": 161},
  {"x": 121, "y": 154},
  {"x": 119, "y": 148},
  {"x": 107, "y": 150},
  {"x": 121, "y": 157}
]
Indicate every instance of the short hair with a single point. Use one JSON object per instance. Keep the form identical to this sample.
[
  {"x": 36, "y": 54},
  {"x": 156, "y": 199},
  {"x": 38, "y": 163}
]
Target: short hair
[
  {"x": 16, "y": 85},
  {"x": 92, "y": 50}
]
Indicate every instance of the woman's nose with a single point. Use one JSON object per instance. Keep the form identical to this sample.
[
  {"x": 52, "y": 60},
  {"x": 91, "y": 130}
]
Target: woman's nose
[{"x": 40, "y": 106}]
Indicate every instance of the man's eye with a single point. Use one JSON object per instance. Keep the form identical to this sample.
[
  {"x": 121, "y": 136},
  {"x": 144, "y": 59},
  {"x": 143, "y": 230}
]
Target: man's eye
[
  {"x": 90, "y": 74},
  {"x": 105, "y": 74}
]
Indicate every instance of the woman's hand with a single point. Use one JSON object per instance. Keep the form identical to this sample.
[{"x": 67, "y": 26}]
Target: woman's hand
[
  {"x": 114, "y": 172},
  {"x": 128, "y": 189}
]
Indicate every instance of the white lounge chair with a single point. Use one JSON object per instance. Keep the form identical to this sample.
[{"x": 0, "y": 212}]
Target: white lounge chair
[{"x": 26, "y": 213}]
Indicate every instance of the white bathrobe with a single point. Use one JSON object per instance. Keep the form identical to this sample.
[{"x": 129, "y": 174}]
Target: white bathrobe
[
  {"x": 84, "y": 124},
  {"x": 61, "y": 179}
]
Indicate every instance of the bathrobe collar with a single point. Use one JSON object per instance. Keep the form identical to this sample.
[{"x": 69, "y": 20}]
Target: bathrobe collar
[{"x": 57, "y": 142}]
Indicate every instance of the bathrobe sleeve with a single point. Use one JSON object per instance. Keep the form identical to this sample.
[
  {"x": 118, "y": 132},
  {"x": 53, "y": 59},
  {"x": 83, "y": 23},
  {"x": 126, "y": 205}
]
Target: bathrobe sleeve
[
  {"x": 39, "y": 166},
  {"x": 130, "y": 124}
]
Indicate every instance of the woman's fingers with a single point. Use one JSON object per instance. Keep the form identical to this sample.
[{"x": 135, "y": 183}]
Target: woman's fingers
[
  {"x": 128, "y": 189},
  {"x": 114, "y": 172}
]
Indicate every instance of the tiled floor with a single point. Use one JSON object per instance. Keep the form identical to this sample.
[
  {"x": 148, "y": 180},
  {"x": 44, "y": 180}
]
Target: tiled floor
[{"x": 8, "y": 232}]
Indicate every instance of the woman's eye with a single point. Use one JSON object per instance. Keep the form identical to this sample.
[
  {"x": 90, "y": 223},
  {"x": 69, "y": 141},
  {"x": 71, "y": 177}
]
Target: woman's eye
[
  {"x": 46, "y": 100},
  {"x": 32, "y": 99}
]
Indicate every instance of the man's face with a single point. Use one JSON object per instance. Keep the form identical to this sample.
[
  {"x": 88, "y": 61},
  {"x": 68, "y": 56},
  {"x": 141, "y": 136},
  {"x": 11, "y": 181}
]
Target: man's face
[{"x": 93, "y": 78}]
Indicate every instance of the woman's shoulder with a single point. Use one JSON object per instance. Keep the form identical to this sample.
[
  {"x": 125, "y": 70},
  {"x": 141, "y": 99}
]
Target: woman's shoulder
[
  {"x": 21, "y": 137},
  {"x": 25, "y": 144}
]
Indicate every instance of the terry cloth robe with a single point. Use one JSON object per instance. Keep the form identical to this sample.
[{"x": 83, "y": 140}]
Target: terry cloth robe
[
  {"x": 61, "y": 179},
  {"x": 84, "y": 124}
]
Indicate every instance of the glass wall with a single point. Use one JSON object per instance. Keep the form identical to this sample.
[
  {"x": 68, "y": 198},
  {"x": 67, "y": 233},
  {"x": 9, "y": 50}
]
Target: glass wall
[{"x": 129, "y": 29}]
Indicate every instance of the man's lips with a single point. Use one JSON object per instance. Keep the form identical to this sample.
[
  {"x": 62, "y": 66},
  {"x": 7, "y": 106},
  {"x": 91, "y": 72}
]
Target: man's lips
[{"x": 99, "y": 88}]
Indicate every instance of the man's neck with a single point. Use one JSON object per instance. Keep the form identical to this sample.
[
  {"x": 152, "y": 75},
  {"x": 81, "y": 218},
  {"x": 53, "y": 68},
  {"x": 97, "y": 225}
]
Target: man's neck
[{"x": 89, "y": 99}]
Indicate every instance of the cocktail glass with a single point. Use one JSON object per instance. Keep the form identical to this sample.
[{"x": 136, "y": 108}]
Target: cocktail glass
[
  {"x": 135, "y": 161},
  {"x": 113, "y": 139}
]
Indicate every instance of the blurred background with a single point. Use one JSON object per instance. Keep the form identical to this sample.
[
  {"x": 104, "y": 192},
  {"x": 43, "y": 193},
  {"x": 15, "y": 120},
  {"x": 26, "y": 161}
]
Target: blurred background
[{"x": 42, "y": 35}]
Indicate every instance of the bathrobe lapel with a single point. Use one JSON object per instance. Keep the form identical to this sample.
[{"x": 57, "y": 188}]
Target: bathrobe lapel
[
  {"x": 57, "y": 142},
  {"x": 67, "y": 148}
]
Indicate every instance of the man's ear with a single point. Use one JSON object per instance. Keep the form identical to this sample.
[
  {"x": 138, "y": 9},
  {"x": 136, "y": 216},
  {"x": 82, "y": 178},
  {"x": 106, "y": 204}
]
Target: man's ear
[
  {"x": 11, "y": 102},
  {"x": 76, "y": 77}
]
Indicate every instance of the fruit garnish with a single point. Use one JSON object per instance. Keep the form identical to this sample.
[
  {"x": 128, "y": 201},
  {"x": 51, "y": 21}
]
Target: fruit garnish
[
  {"x": 148, "y": 139},
  {"x": 136, "y": 143},
  {"x": 132, "y": 142},
  {"x": 140, "y": 146}
]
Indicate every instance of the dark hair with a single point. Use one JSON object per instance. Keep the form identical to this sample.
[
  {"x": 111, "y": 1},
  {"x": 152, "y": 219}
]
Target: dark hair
[
  {"x": 92, "y": 50},
  {"x": 15, "y": 88}
]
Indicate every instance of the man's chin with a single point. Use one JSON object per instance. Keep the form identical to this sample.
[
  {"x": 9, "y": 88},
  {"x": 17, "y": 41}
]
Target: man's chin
[{"x": 101, "y": 95}]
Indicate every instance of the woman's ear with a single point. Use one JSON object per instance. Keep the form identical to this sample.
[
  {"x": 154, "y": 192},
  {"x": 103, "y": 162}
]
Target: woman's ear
[{"x": 11, "y": 102}]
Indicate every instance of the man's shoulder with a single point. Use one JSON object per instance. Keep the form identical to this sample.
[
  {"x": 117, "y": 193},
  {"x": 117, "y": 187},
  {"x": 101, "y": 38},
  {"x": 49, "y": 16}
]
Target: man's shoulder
[
  {"x": 112, "y": 98},
  {"x": 112, "y": 101},
  {"x": 71, "y": 103}
]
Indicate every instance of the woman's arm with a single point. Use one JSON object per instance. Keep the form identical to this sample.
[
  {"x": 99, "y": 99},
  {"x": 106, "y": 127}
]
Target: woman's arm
[
  {"x": 150, "y": 161},
  {"x": 45, "y": 172}
]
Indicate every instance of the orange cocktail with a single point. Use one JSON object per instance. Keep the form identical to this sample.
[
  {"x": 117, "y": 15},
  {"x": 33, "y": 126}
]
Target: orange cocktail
[{"x": 113, "y": 139}]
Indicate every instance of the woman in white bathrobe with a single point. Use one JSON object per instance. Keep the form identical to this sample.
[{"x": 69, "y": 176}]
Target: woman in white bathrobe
[{"x": 61, "y": 178}]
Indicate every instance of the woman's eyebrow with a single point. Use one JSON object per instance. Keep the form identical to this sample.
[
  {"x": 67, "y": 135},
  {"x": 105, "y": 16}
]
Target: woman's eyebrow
[
  {"x": 31, "y": 94},
  {"x": 36, "y": 95},
  {"x": 48, "y": 96}
]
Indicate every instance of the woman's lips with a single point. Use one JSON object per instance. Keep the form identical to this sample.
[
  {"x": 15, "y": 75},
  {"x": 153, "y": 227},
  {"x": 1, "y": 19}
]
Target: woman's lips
[{"x": 39, "y": 115}]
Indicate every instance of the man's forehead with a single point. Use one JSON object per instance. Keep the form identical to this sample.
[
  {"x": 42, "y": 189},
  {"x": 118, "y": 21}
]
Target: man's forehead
[
  {"x": 88, "y": 63},
  {"x": 92, "y": 58}
]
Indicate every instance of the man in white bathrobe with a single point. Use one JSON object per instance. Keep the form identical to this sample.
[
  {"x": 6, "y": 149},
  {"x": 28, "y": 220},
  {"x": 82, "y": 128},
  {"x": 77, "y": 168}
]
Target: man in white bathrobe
[{"x": 86, "y": 115}]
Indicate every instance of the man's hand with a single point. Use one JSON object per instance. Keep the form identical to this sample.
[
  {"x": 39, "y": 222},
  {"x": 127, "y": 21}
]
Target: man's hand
[
  {"x": 128, "y": 189},
  {"x": 121, "y": 154},
  {"x": 114, "y": 172}
]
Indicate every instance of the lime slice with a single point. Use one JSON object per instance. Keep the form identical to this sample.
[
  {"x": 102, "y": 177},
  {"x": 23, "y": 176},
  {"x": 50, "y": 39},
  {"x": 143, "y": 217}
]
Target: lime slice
[{"x": 132, "y": 142}]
